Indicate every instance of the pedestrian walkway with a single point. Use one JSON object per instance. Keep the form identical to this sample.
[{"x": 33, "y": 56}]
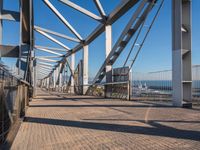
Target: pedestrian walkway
[{"x": 56, "y": 121}]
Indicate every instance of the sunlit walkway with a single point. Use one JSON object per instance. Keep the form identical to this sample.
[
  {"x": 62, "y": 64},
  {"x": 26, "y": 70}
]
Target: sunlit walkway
[{"x": 63, "y": 122}]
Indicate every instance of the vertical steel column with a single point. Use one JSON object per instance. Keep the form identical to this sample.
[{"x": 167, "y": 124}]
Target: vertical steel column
[
  {"x": 72, "y": 68},
  {"x": 108, "y": 33},
  {"x": 25, "y": 38},
  {"x": 48, "y": 83},
  {"x": 1, "y": 25},
  {"x": 85, "y": 68},
  {"x": 60, "y": 78},
  {"x": 181, "y": 45},
  {"x": 35, "y": 68},
  {"x": 33, "y": 64},
  {"x": 57, "y": 74},
  {"x": 54, "y": 79}
]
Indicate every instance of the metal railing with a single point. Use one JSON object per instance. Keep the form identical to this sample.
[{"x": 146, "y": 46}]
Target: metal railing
[{"x": 14, "y": 97}]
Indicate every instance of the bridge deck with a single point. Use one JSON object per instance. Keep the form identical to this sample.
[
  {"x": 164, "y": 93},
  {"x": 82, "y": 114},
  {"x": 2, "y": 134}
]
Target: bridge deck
[{"x": 81, "y": 122}]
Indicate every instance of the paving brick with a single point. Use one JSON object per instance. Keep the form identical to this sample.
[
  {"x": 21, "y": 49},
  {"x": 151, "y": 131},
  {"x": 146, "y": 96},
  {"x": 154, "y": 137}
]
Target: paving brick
[{"x": 57, "y": 121}]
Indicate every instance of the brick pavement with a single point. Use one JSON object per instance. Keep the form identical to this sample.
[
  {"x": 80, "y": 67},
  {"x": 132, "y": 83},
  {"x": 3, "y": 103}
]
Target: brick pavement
[{"x": 74, "y": 122}]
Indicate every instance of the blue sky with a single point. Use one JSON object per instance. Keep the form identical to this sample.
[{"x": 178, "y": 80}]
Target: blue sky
[{"x": 155, "y": 55}]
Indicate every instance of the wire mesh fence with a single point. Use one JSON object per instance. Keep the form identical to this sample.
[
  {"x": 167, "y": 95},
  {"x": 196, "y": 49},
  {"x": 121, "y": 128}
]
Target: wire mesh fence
[
  {"x": 14, "y": 97},
  {"x": 159, "y": 84}
]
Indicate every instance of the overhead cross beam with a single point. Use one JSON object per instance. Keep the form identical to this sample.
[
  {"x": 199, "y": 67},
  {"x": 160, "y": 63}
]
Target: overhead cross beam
[
  {"x": 44, "y": 66},
  {"x": 57, "y": 34},
  {"x": 81, "y": 9},
  {"x": 48, "y": 51},
  {"x": 50, "y": 48},
  {"x": 45, "y": 69},
  {"x": 48, "y": 60},
  {"x": 47, "y": 64},
  {"x": 48, "y": 56},
  {"x": 10, "y": 15},
  {"x": 52, "y": 39},
  {"x": 58, "y": 14}
]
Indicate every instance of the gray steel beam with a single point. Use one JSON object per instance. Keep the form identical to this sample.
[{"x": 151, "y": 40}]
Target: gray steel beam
[
  {"x": 57, "y": 34},
  {"x": 82, "y": 10},
  {"x": 9, "y": 51},
  {"x": 58, "y": 14},
  {"x": 120, "y": 10},
  {"x": 10, "y": 15},
  {"x": 125, "y": 37},
  {"x": 26, "y": 38},
  {"x": 1, "y": 25},
  {"x": 181, "y": 52},
  {"x": 25, "y": 21}
]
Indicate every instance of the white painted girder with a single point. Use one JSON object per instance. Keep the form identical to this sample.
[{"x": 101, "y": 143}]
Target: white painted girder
[
  {"x": 100, "y": 8},
  {"x": 52, "y": 39},
  {"x": 60, "y": 16},
  {"x": 81, "y": 9},
  {"x": 48, "y": 51},
  {"x": 57, "y": 34}
]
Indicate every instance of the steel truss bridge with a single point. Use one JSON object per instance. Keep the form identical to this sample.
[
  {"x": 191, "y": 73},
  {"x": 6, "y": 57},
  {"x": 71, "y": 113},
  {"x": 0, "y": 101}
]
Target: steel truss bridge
[{"x": 50, "y": 73}]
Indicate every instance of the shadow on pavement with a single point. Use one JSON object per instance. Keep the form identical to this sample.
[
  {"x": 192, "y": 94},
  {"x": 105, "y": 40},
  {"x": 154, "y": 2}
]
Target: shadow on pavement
[{"x": 157, "y": 130}]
